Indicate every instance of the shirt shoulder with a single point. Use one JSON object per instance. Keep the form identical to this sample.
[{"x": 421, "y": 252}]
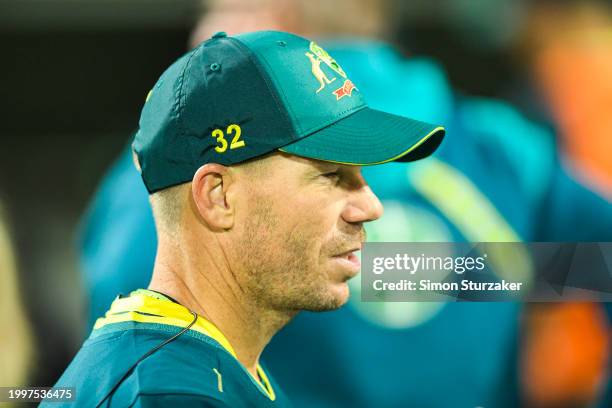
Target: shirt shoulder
[{"x": 193, "y": 369}]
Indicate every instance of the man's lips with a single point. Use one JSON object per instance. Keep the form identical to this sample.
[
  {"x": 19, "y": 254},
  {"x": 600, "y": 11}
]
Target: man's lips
[
  {"x": 350, "y": 260},
  {"x": 350, "y": 250}
]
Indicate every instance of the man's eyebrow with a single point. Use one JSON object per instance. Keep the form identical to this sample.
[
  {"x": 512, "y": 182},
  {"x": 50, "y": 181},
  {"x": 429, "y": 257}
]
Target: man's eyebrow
[
  {"x": 318, "y": 167},
  {"x": 325, "y": 166}
]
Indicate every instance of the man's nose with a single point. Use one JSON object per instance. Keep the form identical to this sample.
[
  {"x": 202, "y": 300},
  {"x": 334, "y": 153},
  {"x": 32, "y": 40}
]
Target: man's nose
[{"x": 363, "y": 206}]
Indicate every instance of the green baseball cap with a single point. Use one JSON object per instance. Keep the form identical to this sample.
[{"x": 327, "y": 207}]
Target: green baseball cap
[{"x": 232, "y": 99}]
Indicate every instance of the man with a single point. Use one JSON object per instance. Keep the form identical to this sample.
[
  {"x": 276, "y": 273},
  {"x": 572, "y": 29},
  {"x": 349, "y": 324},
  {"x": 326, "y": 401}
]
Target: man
[
  {"x": 482, "y": 185},
  {"x": 253, "y": 170}
]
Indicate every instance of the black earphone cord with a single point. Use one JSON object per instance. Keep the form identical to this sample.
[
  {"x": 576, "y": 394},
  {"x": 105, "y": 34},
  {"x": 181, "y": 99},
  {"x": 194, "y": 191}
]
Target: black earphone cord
[{"x": 147, "y": 354}]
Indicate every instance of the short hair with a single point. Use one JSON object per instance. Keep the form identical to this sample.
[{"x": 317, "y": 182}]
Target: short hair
[{"x": 168, "y": 204}]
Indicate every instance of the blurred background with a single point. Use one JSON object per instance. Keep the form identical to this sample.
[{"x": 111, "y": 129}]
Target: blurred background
[{"x": 75, "y": 74}]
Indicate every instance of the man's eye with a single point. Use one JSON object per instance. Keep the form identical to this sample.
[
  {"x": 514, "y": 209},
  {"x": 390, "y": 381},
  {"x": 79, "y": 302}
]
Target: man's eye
[{"x": 331, "y": 175}]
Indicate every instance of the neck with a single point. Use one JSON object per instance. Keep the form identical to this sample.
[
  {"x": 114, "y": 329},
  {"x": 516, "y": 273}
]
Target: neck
[{"x": 210, "y": 290}]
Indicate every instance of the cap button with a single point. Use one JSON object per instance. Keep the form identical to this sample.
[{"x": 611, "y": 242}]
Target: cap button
[{"x": 220, "y": 34}]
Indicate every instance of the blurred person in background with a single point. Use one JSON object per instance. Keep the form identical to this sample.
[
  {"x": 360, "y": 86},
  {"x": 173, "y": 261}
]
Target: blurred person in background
[
  {"x": 562, "y": 357},
  {"x": 567, "y": 47},
  {"x": 16, "y": 351},
  {"x": 496, "y": 178}
]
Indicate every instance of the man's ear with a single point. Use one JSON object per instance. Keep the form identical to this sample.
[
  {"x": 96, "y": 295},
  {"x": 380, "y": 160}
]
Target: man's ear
[{"x": 209, "y": 189}]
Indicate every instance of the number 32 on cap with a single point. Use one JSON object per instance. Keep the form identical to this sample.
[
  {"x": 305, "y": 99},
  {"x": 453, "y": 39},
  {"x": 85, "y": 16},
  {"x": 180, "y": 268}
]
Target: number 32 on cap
[{"x": 220, "y": 136}]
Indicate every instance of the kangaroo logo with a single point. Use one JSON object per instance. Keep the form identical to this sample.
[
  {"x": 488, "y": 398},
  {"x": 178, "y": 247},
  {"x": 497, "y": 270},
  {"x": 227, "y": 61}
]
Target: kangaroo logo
[
  {"x": 318, "y": 72},
  {"x": 317, "y": 55}
]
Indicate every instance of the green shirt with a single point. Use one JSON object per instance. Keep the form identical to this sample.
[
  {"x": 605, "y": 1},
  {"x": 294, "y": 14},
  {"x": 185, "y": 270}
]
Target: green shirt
[{"x": 198, "y": 369}]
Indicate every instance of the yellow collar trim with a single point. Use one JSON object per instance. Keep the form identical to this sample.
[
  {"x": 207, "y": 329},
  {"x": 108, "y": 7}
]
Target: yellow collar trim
[{"x": 163, "y": 311}]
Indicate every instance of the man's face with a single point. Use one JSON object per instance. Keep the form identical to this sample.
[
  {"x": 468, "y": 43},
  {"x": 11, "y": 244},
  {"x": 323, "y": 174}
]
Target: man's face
[{"x": 298, "y": 224}]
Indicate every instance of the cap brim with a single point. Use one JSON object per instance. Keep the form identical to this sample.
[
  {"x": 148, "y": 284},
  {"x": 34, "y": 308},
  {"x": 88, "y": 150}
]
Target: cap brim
[{"x": 369, "y": 137}]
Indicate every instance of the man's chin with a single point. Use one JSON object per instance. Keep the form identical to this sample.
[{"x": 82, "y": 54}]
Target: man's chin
[
  {"x": 337, "y": 295},
  {"x": 341, "y": 293}
]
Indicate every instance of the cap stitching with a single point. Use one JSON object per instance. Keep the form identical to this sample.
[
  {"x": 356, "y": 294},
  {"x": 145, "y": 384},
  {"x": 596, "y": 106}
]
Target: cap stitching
[
  {"x": 327, "y": 124},
  {"x": 180, "y": 103},
  {"x": 335, "y": 119},
  {"x": 179, "y": 92}
]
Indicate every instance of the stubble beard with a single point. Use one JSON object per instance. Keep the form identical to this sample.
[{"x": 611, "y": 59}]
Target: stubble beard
[{"x": 280, "y": 269}]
